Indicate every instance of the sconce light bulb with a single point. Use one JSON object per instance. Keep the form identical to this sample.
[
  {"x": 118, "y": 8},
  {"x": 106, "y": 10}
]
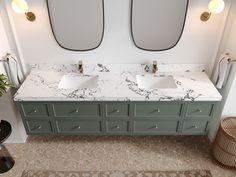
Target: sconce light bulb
[
  {"x": 216, "y": 6},
  {"x": 19, "y": 6}
]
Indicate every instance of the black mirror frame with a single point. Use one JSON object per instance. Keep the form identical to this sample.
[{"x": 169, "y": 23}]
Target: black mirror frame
[
  {"x": 131, "y": 27},
  {"x": 84, "y": 50}
]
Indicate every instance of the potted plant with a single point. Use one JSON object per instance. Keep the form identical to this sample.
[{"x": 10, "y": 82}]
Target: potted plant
[
  {"x": 6, "y": 161},
  {"x": 3, "y": 84}
]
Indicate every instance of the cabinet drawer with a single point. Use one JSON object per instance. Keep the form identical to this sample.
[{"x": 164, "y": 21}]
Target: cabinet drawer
[
  {"x": 34, "y": 110},
  {"x": 195, "y": 126},
  {"x": 117, "y": 126},
  {"x": 77, "y": 110},
  {"x": 117, "y": 110},
  {"x": 70, "y": 126},
  {"x": 39, "y": 126},
  {"x": 155, "y": 126},
  {"x": 157, "y": 110},
  {"x": 199, "y": 110}
]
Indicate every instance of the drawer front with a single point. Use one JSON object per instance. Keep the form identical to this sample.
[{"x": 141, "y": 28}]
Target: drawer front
[
  {"x": 157, "y": 110},
  {"x": 76, "y": 110},
  {"x": 35, "y": 110},
  {"x": 70, "y": 126},
  {"x": 117, "y": 126},
  {"x": 155, "y": 126},
  {"x": 39, "y": 126},
  {"x": 199, "y": 110},
  {"x": 117, "y": 110},
  {"x": 195, "y": 126}
]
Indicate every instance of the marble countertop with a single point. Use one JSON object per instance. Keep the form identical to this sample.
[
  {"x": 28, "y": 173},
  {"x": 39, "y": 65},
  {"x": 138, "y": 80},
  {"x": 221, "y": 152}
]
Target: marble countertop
[{"x": 117, "y": 82}]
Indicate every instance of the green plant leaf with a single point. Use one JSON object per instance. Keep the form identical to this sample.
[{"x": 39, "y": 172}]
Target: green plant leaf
[{"x": 3, "y": 84}]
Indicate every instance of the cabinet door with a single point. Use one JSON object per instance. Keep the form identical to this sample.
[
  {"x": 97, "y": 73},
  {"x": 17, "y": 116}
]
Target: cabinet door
[
  {"x": 117, "y": 110},
  {"x": 69, "y": 109},
  {"x": 157, "y": 110},
  {"x": 195, "y": 127},
  {"x": 31, "y": 110},
  {"x": 38, "y": 126},
  {"x": 200, "y": 110},
  {"x": 78, "y": 127},
  {"x": 117, "y": 127},
  {"x": 155, "y": 127}
]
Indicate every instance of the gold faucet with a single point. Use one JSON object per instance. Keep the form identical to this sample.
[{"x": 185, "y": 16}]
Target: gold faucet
[
  {"x": 154, "y": 67},
  {"x": 80, "y": 67}
]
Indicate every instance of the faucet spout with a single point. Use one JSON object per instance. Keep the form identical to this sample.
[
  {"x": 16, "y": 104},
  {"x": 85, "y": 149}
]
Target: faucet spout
[
  {"x": 80, "y": 67},
  {"x": 154, "y": 67}
]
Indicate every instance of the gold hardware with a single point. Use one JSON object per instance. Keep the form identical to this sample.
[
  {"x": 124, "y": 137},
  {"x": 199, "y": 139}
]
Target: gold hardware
[
  {"x": 80, "y": 67},
  {"x": 215, "y": 7},
  {"x": 117, "y": 110},
  {"x": 154, "y": 67},
  {"x": 117, "y": 127},
  {"x": 35, "y": 111},
  {"x": 194, "y": 126},
  {"x": 37, "y": 127},
  {"x": 77, "y": 127},
  {"x": 156, "y": 126},
  {"x": 199, "y": 110},
  {"x": 205, "y": 16},
  {"x": 77, "y": 110},
  {"x": 30, "y": 16},
  {"x": 232, "y": 61}
]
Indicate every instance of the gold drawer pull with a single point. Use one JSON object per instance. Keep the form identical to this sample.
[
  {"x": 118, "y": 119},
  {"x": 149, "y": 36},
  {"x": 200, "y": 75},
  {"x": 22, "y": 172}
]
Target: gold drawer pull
[
  {"x": 38, "y": 127},
  {"x": 77, "y": 110},
  {"x": 117, "y": 110},
  {"x": 199, "y": 110},
  {"x": 194, "y": 126},
  {"x": 156, "y": 126},
  {"x": 117, "y": 126},
  {"x": 158, "y": 110},
  {"x": 33, "y": 111},
  {"x": 77, "y": 127}
]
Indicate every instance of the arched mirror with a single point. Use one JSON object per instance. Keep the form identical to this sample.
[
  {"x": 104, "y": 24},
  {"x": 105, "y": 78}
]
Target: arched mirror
[
  {"x": 157, "y": 24},
  {"x": 77, "y": 24}
]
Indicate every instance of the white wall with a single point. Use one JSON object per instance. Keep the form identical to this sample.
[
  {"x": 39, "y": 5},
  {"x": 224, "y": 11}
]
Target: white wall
[
  {"x": 229, "y": 108},
  {"x": 4, "y": 47},
  {"x": 228, "y": 44},
  {"x": 8, "y": 109},
  {"x": 37, "y": 44}
]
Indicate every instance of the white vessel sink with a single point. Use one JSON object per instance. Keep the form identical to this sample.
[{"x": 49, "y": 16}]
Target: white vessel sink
[
  {"x": 78, "y": 81},
  {"x": 151, "y": 81}
]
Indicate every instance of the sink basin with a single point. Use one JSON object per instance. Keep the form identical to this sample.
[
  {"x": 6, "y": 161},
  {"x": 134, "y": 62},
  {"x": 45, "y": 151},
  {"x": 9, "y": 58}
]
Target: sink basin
[
  {"x": 150, "y": 81},
  {"x": 78, "y": 81}
]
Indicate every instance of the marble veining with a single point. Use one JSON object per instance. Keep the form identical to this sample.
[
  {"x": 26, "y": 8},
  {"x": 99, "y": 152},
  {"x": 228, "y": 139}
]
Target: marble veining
[{"x": 117, "y": 82}]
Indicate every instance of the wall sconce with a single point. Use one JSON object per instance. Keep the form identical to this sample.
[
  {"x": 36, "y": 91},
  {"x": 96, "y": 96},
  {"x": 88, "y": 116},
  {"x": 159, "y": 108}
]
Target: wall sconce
[
  {"x": 21, "y": 6},
  {"x": 215, "y": 7}
]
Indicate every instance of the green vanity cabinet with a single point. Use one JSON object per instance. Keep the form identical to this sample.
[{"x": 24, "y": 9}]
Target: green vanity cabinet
[
  {"x": 200, "y": 110},
  {"x": 79, "y": 126},
  {"x": 73, "y": 109},
  {"x": 118, "y": 127},
  {"x": 157, "y": 118},
  {"x": 116, "y": 117},
  {"x": 197, "y": 118},
  {"x": 155, "y": 110},
  {"x": 36, "y": 117},
  {"x": 117, "y": 109},
  {"x": 155, "y": 127},
  {"x": 37, "y": 110},
  {"x": 38, "y": 126}
]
